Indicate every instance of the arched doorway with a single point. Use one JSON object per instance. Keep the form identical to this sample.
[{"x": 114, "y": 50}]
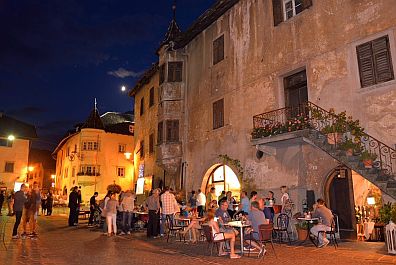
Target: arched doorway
[
  {"x": 340, "y": 199},
  {"x": 222, "y": 177}
]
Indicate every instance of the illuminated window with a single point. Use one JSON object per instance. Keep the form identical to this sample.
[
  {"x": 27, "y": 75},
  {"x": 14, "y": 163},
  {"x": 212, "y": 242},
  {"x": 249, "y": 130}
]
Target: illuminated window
[
  {"x": 121, "y": 171},
  {"x": 121, "y": 148}
]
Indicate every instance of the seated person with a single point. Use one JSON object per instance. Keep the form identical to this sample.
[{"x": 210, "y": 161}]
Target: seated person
[
  {"x": 244, "y": 206},
  {"x": 225, "y": 235},
  {"x": 222, "y": 213},
  {"x": 255, "y": 218},
  {"x": 194, "y": 226},
  {"x": 213, "y": 205},
  {"x": 324, "y": 214}
]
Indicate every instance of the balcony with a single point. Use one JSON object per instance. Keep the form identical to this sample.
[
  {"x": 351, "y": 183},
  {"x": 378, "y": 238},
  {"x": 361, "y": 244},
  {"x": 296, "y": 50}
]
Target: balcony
[
  {"x": 169, "y": 156},
  {"x": 87, "y": 178}
]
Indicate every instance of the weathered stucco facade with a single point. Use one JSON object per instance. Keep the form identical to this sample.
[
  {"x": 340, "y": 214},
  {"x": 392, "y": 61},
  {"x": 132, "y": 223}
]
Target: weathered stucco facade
[{"x": 321, "y": 40}]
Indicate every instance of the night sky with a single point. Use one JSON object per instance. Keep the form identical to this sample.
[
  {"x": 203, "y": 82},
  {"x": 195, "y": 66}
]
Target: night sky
[{"x": 56, "y": 56}]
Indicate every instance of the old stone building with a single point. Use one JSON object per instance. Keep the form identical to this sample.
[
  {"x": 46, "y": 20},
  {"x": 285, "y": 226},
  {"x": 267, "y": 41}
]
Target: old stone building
[{"x": 282, "y": 58}]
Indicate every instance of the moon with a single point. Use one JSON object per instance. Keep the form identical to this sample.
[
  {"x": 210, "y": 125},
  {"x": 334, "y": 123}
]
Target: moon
[{"x": 123, "y": 88}]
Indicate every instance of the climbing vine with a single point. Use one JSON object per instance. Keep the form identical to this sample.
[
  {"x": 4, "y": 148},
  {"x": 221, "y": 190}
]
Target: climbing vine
[{"x": 234, "y": 162}]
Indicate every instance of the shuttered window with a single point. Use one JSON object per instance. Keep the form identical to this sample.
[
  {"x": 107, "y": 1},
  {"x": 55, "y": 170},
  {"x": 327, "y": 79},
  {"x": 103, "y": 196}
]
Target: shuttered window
[
  {"x": 142, "y": 149},
  {"x": 141, "y": 106},
  {"x": 218, "y": 49},
  {"x": 175, "y": 71},
  {"x": 151, "y": 101},
  {"x": 151, "y": 143},
  {"x": 172, "y": 130},
  {"x": 161, "y": 74},
  {"x": 375, "y": 62},
  {"x": 218, "y": 114},
  {"x": 160, "y": 133},
  {"x": 286, "y": 9}
]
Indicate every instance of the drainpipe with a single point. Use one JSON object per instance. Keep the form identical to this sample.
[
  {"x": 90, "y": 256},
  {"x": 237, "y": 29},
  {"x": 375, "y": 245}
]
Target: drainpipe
[{"x": 185, "y": 118}]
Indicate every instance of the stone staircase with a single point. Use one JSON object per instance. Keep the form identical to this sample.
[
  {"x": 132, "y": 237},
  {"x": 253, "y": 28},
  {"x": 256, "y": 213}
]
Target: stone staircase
[{"x": 385, "y": 182}]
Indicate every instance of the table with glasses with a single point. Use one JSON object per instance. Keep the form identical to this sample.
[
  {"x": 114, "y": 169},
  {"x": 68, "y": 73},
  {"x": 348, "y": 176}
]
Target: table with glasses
[
  {"x": 239, "y": 225},
  {"x": 310, "y": 221}
]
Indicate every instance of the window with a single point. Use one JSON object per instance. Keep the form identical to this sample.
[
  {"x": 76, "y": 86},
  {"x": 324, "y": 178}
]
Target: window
[
  {"x": 66, "y": 172},
  {"x": 89, "y": 170},
  {"x": 151, "y": 101},
  {"x": 175, "y": 71},
  {"x": 9, "y": 167},
  {"x": 172, "y": 130},
  {"x": 5, "y": 142},
  {"x": 121, "y": 172},
  {"x": 160, "y": 137},
  {"x": 151, "y": 143},
  {"x": 286, "y": 9},
  {"x": 90, "y": 146},
  {"x": 161, "y": 74},
  {"x": 141, "y": 149},
  {"x": 68, "y": 151},
  {"x": 141, "y": 106},
  {"x": 218, "y": 114},
  {"x": 375, "y": 63},
  {"x": 121, "y": 148},
  {"x": 218, "y": 50}
]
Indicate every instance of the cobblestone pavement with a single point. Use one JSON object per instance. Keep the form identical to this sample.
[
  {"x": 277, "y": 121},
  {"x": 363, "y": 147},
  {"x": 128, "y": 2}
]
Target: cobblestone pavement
[{"x": 59, "y": 244}]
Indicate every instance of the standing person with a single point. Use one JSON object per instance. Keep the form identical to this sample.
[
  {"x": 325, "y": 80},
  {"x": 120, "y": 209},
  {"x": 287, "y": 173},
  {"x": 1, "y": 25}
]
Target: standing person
[
  {"x": 19, "y": 202},
  {"x": 92, "y": 207},
  {"x": 102, "y": 206},
  {"x": 324, "y": 214},
  {"x": 30, "y": 210},
  {"x": 253, "y": 196},
  {"x": 285, "y": 199},
  {"x": 79, "y": 201},
  {"x": 231, "y": 202},
  {"x": 153, "y": 206},
  {"x": 221, "y": 196},
  {"x": 127, "y": 205},
  {"x": 269, "y": 207},
  {"x": 37, "y": 192},
  {"x": 43, "y": 203},
  {"x": 201, "y": 202},
  {"x": 50, "y": 202},
  {"x": 168, "y": 206},
  {"x": 10, "y": 203},
  {"x": 2, "y": 197},
  {"x": 193, "y": 201},
  {"x": 244, "y": 206},
  {"x": 211, "y": 195},
  {"x": 73, "y": 205},
  {"x": 111, "y": 215}
]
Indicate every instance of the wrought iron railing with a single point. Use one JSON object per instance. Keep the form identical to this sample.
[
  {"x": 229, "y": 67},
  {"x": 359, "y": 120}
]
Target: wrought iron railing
[{"x": 344, "y": 130}]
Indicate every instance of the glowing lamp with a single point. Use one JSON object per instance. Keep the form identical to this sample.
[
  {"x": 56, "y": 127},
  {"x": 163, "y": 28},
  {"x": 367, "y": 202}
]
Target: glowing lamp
[
  {"x": 30, "y": 168},
  {"x": 53, "y": 176},
  {"x": 370, "y": 200},
  {"x": 11, "y": 137},
  {"x": 128, "y": 155}
]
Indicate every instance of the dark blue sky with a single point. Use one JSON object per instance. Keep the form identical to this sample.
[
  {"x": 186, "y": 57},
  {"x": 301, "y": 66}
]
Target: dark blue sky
[{"x": 56, "y": 56}]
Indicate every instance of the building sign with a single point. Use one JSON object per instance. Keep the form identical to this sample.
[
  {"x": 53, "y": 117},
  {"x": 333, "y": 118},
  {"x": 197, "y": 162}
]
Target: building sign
[
  {"x": 141, "y": 171},
  {"x": 140, "y": 186}
]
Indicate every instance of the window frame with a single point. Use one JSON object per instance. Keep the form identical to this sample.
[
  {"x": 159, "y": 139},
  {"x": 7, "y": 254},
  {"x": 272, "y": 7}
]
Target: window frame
[
  {"x": 151, "y": 98},
  {"x": 141, "y": 151},
  {"x": 151, "y": 143},
  {"x": 4, "y": 142},
  {"x": 121, "y": 170},
  {"x": 175, "y": 71},
  {"x": 121, "y": 148},
  {"x": 141, "y": 106},
  {"x": 218, "y": 50},
  {"x": 8, "y": 163},
  {"x": 218, "y": 114},
  {"x": 172, "y": 131},
  {"x": 160, "y": 133},
  {"x": 161, "y": 74}
]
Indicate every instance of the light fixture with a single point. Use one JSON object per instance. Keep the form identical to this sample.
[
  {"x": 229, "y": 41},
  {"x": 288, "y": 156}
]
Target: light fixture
[
  {"x": 53, "y": 176},
  {"x": 370, "y": 200},
  {"x": 30, "y": 168},
  {"x": 128, "y": 155},
  {"x": 11, "y": 137}
]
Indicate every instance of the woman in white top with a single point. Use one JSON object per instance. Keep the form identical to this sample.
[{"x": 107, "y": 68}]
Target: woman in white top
[
  {"x": 226, "y": 235},
  {"x": 285, "y": 197}
]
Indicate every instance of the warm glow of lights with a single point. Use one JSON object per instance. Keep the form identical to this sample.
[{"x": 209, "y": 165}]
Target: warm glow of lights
[
  {"x": 30, "y": 168},
  {"x": 11, "y": 137},
  {"x": 53, "y": 176},
  {"x": 370, "y": 200},
  {"x": 123, "y": 88},
  {"x": 128, "y": 155}
]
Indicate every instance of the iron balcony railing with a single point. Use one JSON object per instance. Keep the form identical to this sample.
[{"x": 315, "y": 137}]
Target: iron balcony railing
[{"x": 311, "y": 116}]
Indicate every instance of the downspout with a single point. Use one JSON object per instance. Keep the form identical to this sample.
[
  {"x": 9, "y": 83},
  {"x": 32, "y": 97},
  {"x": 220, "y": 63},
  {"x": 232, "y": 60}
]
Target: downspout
[{"x": 185, "y": 120}]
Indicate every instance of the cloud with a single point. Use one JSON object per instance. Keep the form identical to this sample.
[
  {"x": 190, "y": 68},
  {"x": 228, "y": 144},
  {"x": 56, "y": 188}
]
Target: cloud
[
  {"x": 122, "y": 73},
  {"x": 28, "y": 111}
]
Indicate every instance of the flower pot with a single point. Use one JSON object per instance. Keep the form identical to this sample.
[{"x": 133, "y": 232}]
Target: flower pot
[
  {"x": 334, "y": 138},
  {"x": 302, "y": 234},
  {"x": 368, "y": 163},
  {"x": 349, "y": 152}
]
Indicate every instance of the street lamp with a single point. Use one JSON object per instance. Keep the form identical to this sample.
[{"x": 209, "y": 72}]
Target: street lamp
[{"x": 11, "y": 137}]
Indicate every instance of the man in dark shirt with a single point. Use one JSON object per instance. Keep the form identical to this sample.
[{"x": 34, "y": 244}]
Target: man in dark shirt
[
  {"x": 153, "y": 206},
  {"x": 19, "y": 202},
  {"x": 222, "y": 212},
  {"x": 92, "y": 207},
  {"x": 73, "y": 205},
  {"x": 2, "y": 197}
]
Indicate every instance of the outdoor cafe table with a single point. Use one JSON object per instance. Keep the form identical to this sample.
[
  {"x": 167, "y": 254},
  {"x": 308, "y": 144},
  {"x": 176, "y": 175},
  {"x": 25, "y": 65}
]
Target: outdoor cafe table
[
  {"x": 241, "y": 225},
  {"x": 310, "y": 222}
]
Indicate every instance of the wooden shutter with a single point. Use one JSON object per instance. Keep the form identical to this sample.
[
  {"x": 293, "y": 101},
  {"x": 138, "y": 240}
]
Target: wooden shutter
[
  {"x": 160, "y": 132},
  {"x": 382, "y": 60},
  {"x": 162, "y": 74},
  {"x": 277, "y": 11},
  {"x": 141, "y": 106},
  {"x": 218, "y": 49},
  {"x": 366, "y": 64},
  {"x": 175, "y": 71},
  {"x": 307, "y": 3},
  {"x": 151, "y": 101},
  {"x": 141, "y": 149},
  {"x": 172, "y": 130},
  {"x": 151, "y": 143},
  {"x": 218, "y": 114}
]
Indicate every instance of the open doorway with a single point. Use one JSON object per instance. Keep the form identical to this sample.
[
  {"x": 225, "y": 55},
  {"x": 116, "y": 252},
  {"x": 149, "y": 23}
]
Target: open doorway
[{"x": 223, "y": 178}]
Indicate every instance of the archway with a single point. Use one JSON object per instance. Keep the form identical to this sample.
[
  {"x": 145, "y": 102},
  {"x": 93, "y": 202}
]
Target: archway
[
  {"x": 222, "y": 177},
  {"x": 340, "y": 199}
]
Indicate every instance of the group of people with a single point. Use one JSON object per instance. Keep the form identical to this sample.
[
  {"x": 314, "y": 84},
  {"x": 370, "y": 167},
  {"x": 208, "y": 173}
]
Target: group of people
[
  {"x": 9, "y": 198},
  {"x": 47, "y": 202},
  {"x": 26, "y": 207}
]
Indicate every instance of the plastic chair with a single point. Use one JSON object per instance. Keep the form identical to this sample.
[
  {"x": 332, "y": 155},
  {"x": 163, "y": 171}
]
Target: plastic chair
[
  {"x": 213, "y": 238},
  {"x": 281, "y": 228}
]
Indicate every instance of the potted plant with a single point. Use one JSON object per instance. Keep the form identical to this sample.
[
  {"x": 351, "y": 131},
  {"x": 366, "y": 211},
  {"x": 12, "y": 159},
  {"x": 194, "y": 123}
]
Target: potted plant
[
  {"x": 349, "y": 147},
  {"x": 302, "y": 230},
  {"x": 367, "y": 158}
]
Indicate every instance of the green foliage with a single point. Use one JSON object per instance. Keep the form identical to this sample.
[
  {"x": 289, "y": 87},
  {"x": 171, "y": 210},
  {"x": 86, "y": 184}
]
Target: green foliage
[
  {"x": 388, "y": 213},
  {"x": 349, "y": 144},
  {"x": 302, "y": 225},
  {"x": 115, "y": 188},
  {"x": 366, "y": 155},
  {"x": 234, "y": 162}
]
